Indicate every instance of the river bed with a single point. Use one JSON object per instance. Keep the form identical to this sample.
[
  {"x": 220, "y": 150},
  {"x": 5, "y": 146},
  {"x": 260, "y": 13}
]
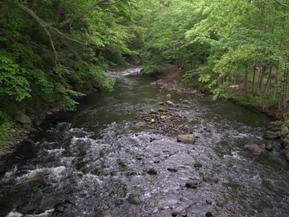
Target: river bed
[{"x": 118, "y": 155}]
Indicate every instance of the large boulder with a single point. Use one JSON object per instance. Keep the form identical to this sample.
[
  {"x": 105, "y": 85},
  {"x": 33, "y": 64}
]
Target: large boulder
[
  {"x": 272, "y": 135},
  {"x": 284, "y": 131},
  {"x": 254, "y": 149},
  {"x": 23, "y": 119},
  {"x": 186, "y": 138}
]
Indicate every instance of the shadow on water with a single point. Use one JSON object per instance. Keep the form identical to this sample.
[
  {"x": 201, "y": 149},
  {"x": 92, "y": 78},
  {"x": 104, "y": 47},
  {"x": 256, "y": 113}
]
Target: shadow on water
[{"x": 106, "y": 159}]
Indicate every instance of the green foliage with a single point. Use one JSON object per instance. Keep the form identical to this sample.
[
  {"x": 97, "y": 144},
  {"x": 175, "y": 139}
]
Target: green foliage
[
  {"x": 5, "y": 128},
  {"x": 12, "y": 83},
  {"x": 222, "y": 44},
  {"x": 52, "y": 52}
]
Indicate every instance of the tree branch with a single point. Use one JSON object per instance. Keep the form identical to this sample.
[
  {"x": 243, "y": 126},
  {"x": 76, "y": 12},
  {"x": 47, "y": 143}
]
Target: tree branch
[{"x": 48, "y": 28}]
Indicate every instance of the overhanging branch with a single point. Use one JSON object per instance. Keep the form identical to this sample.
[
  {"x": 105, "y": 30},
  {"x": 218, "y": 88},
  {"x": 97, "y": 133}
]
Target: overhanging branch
[{"x": 48, "y": 28}]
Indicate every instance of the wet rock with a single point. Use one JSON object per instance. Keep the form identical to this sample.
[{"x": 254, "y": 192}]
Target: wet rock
[
  {"x": 194, "y": 184},
  {"x": 186, "y": 101},
  {"x": 23, "y": 119},
  {"x": 209, "y": 214},
  {"x": 103, "y": 214},
  {"x": 284, "y": 131},
  {"x": 209, "y": 202},
  {"x": 232, "y": 185},
  {"x": 152, "y": 111},
  {"x": 162, "y": 110},
  {"x": 173, "y": 170},
  {"x": 170, "y": 103},
  {"x": 187, "y": 139},
  {"x": 210, "y": 179},
  {"x": 35, "y": 176},
  {"x": 118, "y": 202},
  {"x": 286, "y": 151},
  {"x": 131, "y": 173},
  {"x": 198, "y": 165},
  {"x": 269, "y": 147},
  {"x": 179, "y": 214},
  {"x": 253, "y": 149},
  {"x": 134, "y": 199},
  {"x": 272, "y": 135},
  {"x": 275, "y": 125},
  {"x": 153, "y": 120},
  {"x": 152, "y": 171},
  {"x": 122, "y": 164}
]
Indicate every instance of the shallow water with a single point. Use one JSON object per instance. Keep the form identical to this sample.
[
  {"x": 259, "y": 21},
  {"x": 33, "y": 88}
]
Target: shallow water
[{"x": 95, "y": 161}]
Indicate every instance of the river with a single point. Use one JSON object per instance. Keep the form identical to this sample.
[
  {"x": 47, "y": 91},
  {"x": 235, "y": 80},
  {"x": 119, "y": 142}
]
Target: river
[{"x": 118, "y": 155}]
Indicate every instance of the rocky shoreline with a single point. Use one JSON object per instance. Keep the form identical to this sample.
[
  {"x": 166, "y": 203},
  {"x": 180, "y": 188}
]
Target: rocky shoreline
[
  {"x": 277, "y": 130},
  {"x": 25, "y": 125}
]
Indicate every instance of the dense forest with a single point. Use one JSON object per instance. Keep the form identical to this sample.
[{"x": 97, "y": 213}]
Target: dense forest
[
  {"x": 234, "y": 48},
  {"x": 54, "y": 51}
]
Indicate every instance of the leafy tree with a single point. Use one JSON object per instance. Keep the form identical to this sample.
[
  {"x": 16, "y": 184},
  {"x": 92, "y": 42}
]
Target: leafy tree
[{"x": 53, "y": 51}]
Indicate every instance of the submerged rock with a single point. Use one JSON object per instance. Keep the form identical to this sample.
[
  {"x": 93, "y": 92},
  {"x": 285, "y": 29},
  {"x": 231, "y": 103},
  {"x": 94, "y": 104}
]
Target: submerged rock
[
  {"x": 209, "y": 214},
  {"x": 134, "y": 199},
  {"x": 173, "y": 170},
  {"x": 103, "y": 214},
  {"x": 194, "y": 184},
  {"x": 152, "y": 171},
  {"x": 179, "y": 214},
  {"x": 198, "y": 165},
  {"x": 187, "y": 139},
  {"x": 210, "y": 179}
]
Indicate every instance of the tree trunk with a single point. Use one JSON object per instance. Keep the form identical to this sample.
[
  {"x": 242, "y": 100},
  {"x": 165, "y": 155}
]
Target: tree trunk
[
  {"x": 254, "y": 78},
  {"x": 246, "y": 80}
]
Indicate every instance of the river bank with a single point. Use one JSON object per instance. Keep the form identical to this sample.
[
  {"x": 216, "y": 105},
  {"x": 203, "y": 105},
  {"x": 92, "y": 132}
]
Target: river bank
[{"x": 277, "y": 130}]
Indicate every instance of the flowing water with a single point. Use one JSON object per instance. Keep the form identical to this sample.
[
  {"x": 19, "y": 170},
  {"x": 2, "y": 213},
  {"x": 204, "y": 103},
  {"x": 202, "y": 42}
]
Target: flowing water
[{"x": 113, "y": 156}]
